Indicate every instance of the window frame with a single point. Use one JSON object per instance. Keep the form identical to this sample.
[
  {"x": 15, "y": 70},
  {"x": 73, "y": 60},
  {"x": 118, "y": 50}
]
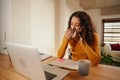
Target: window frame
[{"x": 105, "y": 21}]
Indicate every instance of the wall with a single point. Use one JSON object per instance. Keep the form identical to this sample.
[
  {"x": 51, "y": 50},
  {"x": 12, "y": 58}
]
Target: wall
[
  {"x": 5, "y": 22},
  {"x": 111, "y": 16},
  {"x": 20, "y": 22},
  {"x": 43, "y": 25},
  {"x": 15, "y": 22},
  {"x": 71, "y": 6},
  {"x": 0, "y": 25},
  {"x": 28, "y": 22},
  {"x": 57, "y": 25}
]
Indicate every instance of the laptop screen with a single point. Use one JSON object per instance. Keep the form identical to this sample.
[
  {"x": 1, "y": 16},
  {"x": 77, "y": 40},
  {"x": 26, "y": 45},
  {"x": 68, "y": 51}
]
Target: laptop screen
[{"x": 26, "y": 61}]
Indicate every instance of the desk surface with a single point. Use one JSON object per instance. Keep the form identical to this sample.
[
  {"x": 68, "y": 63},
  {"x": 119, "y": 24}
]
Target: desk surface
[{"x": 99, "y": 72}]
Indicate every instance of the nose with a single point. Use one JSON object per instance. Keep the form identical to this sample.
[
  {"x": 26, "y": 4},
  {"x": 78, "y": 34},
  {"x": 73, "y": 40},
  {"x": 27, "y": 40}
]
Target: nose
[{"x": 72, "y": 26}]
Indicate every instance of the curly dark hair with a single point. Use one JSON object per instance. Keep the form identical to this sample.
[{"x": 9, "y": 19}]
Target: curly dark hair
[{"x": 85, "y": 23}]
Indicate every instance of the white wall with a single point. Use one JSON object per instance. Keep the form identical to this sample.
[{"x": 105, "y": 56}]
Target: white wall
[
  {"x": 71, "y": 6},
  {"x": 5, "y": 22},
  {"x": 20, "y": 21},
  {"x": 0, "y": 25},
  {"x": 111, "y": 16},
  {"x": 42, "y": 25},
  {"x": 28, "y": 22},
  {"x": 15, "y": 21}
]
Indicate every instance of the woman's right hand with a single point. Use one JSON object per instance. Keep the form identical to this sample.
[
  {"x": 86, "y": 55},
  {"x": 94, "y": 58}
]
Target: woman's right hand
[{"x": 69, "y": 33}]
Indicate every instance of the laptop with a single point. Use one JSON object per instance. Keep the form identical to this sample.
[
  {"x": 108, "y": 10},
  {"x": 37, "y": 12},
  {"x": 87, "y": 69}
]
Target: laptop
[{"x": 26, "y": 61}]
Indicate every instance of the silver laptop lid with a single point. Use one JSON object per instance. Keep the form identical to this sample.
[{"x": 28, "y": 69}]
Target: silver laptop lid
[{"x": 26, "y": 60}]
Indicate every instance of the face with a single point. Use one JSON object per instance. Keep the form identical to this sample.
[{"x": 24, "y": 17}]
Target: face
[{"x": 75, "y": 23}]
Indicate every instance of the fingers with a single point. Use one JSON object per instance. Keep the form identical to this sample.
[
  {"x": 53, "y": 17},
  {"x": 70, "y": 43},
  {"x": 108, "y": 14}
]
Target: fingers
[
  {"x": 69, "y": 33},
  {"x": 74, "y": 34}
]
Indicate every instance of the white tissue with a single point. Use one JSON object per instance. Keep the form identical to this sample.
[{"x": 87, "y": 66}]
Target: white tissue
[{"x": 74, "y": 34}]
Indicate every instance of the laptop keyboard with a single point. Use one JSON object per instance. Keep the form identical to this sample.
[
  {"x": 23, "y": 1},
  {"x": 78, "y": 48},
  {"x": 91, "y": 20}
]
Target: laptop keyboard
[{"x": 49, "y": 76}]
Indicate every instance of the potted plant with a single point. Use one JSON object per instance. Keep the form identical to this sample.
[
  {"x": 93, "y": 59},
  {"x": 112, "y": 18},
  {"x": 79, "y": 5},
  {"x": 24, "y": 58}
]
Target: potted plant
[{"x": 106, "y": 59}]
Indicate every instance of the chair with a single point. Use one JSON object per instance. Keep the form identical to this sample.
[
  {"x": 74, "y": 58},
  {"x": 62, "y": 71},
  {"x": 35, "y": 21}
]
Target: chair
[{"x": 69, "y": 53}]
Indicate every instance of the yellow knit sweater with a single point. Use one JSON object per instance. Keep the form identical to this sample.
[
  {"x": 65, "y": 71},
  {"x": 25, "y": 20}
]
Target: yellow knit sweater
[{"x": 81, "y": 50}]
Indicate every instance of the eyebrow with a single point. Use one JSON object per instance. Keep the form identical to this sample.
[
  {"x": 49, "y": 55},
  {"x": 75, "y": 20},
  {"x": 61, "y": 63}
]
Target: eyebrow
[{"x": 75, "y": 23}]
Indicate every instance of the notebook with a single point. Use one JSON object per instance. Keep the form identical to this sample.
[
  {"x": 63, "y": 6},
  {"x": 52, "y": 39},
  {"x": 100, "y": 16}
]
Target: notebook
[
  {"x": 26, "y": 61},
  {"x": 65, "y": 63}
]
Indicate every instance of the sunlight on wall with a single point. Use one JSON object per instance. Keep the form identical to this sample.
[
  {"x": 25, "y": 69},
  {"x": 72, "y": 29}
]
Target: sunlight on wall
[{"x": 42, "y": 25}]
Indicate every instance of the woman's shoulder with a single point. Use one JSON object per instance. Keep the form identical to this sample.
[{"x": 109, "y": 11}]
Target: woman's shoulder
[{"x": 95, "y": 34}]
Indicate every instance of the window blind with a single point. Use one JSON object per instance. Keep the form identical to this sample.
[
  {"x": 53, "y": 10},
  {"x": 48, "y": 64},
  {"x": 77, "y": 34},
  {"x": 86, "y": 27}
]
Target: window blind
[{"x": 111, "y": 32}]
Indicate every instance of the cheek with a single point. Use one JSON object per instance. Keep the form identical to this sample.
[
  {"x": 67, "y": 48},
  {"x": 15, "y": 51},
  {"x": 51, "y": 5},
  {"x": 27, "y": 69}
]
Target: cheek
[
  {"x": 72, "y": 26},
  {"x": 77, "y": 28}
]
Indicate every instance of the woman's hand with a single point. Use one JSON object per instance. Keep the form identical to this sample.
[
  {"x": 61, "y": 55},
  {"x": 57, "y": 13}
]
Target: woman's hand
[
  {"x": 69, "y": 33},
  {"x": 74, "y": 34}
]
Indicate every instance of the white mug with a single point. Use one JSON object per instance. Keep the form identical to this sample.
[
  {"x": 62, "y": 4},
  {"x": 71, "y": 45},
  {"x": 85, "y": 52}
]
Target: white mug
[{"x": 84, "y": 66}]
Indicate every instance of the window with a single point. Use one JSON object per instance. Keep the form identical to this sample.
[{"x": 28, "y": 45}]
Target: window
[{"x": 111, "y": 30}]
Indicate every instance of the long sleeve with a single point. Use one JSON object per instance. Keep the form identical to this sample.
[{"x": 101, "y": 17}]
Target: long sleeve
[
  {"x": 93, "y": 53},
  {"x": 84, "y": 51},
  {"x": 62, "y": 48},
  {"x": 81, "y": 50}
]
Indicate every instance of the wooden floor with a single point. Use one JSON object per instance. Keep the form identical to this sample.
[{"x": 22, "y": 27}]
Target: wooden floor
[{"x": 6, "y": 69}]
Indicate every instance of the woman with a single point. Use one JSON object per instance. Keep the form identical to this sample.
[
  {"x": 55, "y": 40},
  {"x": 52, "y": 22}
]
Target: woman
[{"x": 82, "y": 38}]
